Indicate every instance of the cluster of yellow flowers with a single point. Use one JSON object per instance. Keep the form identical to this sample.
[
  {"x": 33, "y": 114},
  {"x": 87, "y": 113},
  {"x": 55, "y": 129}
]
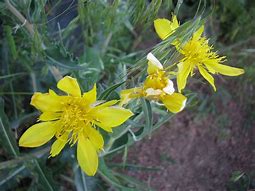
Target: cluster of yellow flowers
[
  {"x": 196, "y": 53},
  {"x": 76, "y": 117}
]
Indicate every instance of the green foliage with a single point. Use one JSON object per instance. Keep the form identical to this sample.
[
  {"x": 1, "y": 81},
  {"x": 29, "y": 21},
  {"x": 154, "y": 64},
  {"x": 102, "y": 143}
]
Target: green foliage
[
  {"x": 7, "y": 138},
  {"x": 236, "y": 18},
  {"x": 241, "y": 181},
  {"x": 96, "y": 42}
]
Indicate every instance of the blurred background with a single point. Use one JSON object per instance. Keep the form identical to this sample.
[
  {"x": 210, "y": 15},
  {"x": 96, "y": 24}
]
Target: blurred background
[{"x": 208, "y": 146}]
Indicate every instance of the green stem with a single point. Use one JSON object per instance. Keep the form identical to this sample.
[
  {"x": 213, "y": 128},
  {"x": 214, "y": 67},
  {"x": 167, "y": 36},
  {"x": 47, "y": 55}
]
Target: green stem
[{"x": 21, "y": 18}]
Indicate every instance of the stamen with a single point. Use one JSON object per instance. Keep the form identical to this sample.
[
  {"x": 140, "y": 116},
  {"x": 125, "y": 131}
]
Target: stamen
[{"x": 73, "y": 120}]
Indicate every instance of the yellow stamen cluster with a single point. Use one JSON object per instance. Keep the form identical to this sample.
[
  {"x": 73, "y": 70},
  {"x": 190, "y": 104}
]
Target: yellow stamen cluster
[{"x": 157, "y": 80}]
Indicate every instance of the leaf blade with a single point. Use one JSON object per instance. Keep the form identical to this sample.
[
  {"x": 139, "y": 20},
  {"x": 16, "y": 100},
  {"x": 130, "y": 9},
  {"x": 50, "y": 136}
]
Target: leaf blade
[{"x": 9, "y": 144}]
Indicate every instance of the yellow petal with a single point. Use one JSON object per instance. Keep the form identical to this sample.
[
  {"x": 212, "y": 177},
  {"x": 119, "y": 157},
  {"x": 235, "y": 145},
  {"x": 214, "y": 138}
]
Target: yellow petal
[
  {"x": 175, "y": 23},
  {"x": 52, "y": 93},
  {"x": 207, "y": 76},
  {"x": 46, "y": 102},
  {"x": 38, "y": 134},
  {"x": 111, "y": 116},
  {"x": 209, "y": 68},
  {"x": 58, "y": 145},
  {"x": 96, "y": 138},
  {"x": 174, "y": 102},
  {"x": 184, "y": 70},
  {"x": 226, "y": 70},
  {"x": 70, "y": 86},
  {"x": 129, "y": 94},
  {"x": 153, "y": 64},
  {"x": 105, "y": 104},
  {"x": 104, "y": 127},
  {"x": 49, "y": 116},
  {"x": 164, "y": 28},
  {"x": 90, "y": 96},
  {"x": 87, "y": 156},
  {"x": 198, "y": 33}
]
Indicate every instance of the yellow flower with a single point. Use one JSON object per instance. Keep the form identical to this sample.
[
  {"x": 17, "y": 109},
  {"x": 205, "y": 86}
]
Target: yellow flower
[
  {"x": 73, "y": 118},
  {"x": 197, "y": 53},
  {"x": 157, "y": 86}
]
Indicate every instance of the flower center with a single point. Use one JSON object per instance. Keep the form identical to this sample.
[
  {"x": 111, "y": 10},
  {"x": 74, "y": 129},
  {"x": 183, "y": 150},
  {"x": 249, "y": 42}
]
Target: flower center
[
  {"x": 156, "y": 80},
  {"x": 196, "y": 51},
  {"x": 73, "y": 119}
]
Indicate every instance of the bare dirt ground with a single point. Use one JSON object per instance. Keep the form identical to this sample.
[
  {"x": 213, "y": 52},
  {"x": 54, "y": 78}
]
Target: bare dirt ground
[{"x": 195, "y": 153}]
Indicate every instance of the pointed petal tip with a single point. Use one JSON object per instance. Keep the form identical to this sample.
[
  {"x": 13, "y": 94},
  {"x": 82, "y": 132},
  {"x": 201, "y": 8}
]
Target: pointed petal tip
[
  {"x": 70, "y": 86},
  {"x": 183, "y": 104}
]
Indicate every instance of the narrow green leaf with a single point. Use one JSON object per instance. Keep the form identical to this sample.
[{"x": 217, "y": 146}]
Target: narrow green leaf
[
  {"x": 132, "y": 182},
  {"x": 124, "y": 141},
  {"x": 63, "y": 65},
  {"x": 146, "y": 106},
  {"x": 134, "y": 167},
  {"x": 82, "y": 181},
  {"x": 44, "y": 178},
  {"x": 39, "y": 10},
  {"x": 178, "y": 5},
  {"x": 11, "y": 42},
  {"x": 13, "y": 75},
  {"x": 108, "y": 91},
  {"x": 163, "y": 120},
  {"x": 7, "y": 139},
  {"x": 107, "y": 174},
  {"x": 236, "y": 176},
  {"x": 23, "y": 158},
  {"x": 11, "y": 175}
]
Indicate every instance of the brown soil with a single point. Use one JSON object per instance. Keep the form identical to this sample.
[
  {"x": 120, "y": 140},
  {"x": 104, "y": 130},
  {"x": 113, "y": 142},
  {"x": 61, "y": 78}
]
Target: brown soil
[{"x": 196, "y": 153}]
